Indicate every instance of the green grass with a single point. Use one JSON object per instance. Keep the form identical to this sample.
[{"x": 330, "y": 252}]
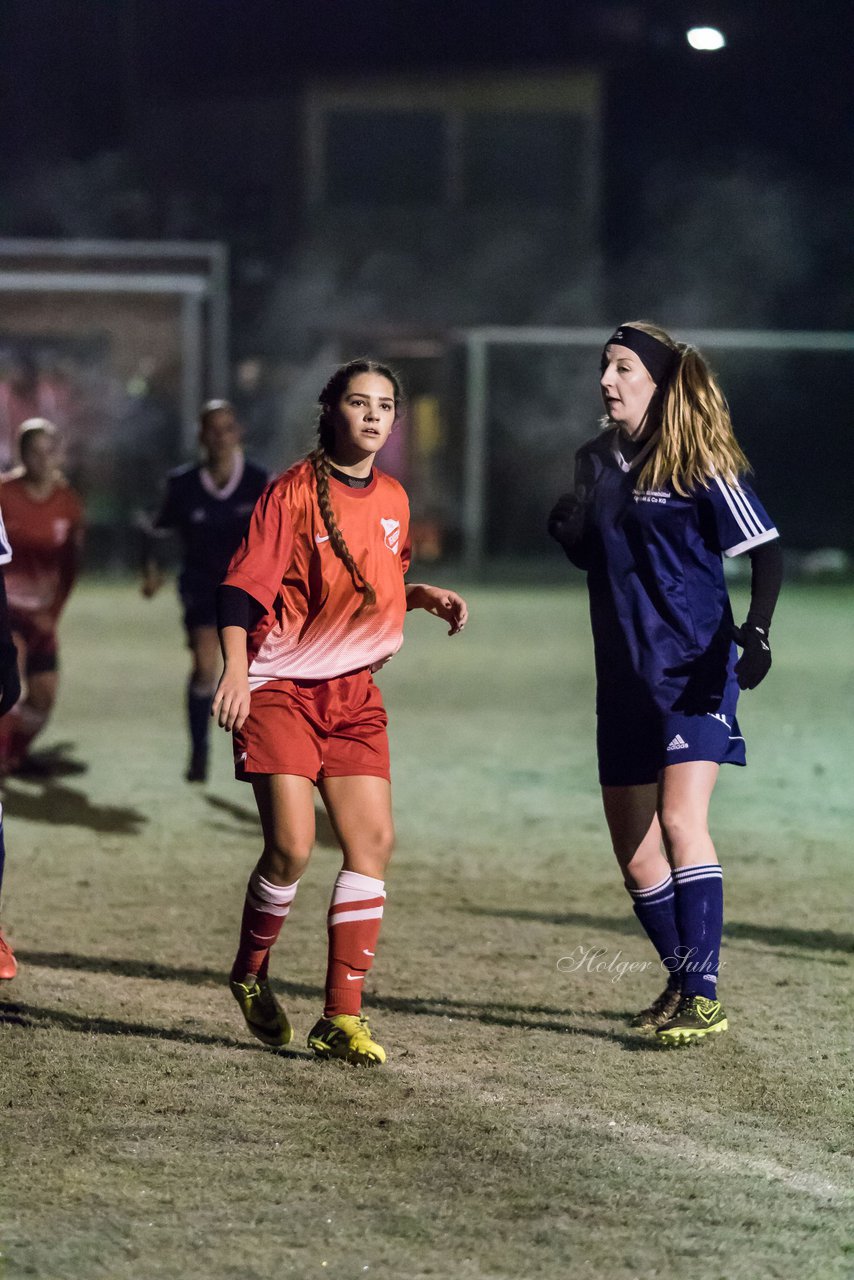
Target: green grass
[{"x": 520, "y": 1128}]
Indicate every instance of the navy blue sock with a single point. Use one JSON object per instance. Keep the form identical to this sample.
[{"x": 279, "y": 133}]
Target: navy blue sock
[
  {"x": 654, "y": 907},
  {"x": 699, "y": 919},
  {"x": 199, "y": 718}
]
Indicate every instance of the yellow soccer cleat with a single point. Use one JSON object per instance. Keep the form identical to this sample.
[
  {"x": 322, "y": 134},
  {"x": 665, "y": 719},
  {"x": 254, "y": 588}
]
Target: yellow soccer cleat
[
  {"x": 660, "y": 1011},
  {"x": 696, "y": 1017},
  {"x": 264, "y": 1016},
  {"x": 348, "y": 1037}
]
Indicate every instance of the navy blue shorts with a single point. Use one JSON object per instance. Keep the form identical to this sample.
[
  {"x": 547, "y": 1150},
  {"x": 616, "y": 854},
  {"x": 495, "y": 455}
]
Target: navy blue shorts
[
  {"x": 199, "y": 604},
  {"x": 633, "y": 747}
]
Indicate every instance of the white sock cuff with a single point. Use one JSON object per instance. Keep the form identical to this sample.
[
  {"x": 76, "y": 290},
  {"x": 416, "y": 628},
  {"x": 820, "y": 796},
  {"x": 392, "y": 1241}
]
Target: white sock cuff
[
  {"x": 276, "y": 895},
  {"x": 358, "y": 885},
  {"x": 652, "y": 890},
  {"x": 699, "y": 871}
]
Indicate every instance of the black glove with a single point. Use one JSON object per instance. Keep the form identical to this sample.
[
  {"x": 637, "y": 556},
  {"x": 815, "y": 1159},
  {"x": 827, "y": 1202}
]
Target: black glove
[
  {"x": 755, "y": 661},
  {"x": 10, "y": 681},
  {"x": 566, "y": 520}
]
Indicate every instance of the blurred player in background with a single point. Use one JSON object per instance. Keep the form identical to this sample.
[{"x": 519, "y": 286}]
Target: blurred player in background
[
  {"x": 25, "y": 393},
  {"x": 313, "y": 604},
  {"x": 10, "y": 691},
  {"x": 659, "y": 497},
  {"x": 208, "y": 504},
  {"x": 44, "y": 524}
]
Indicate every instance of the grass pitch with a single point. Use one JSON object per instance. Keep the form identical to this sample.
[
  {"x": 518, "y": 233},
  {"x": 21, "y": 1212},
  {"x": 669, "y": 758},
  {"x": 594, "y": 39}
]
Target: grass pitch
[{"x": 521, "y": 1129}]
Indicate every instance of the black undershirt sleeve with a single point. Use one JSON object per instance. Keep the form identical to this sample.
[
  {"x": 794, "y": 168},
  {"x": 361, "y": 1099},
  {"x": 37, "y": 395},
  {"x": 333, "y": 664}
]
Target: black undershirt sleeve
[
  {"x": 766, "y": 564},
  {"x": 236, "y": 608},
  {"x": 10, "y": 683},
  {"x": 5, "y": 624}
]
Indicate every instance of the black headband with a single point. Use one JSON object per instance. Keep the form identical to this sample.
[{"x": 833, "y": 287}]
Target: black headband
[{"x": 658, "y": 359}]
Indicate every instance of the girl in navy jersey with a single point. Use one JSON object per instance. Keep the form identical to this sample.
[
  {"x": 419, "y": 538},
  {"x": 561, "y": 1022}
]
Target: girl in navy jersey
[
  {"x": 660, "y": 496},
  {"x": 208, "y": 505},
  {"x": 313, "y": 604}
]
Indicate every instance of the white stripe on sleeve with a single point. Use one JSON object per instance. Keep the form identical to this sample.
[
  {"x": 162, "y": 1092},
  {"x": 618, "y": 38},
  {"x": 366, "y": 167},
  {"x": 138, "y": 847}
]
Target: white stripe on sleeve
[
  {"x": 749, "y": 543},
  {"x": 734, "y": 511},
  {"x": 743, "y": 502}
]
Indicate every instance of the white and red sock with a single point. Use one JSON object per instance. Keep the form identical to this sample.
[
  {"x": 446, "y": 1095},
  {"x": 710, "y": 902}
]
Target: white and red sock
[
  {"x": 353, "y": 924},
  {"x": 264, "y": 912}
]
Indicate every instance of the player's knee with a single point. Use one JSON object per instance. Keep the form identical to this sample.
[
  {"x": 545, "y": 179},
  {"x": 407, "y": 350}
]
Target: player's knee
[
  {"x": 679, "y": 826},
  {"x": 285, "y": 861},
  {"x": 373, "y": 852},
  {"x": 643, "y": 867},
  {"x": 204, "y": 680},
  {"x": 383, "y": 841},
  {"x": 40, "y": 699},
  {"x": 206, "y": 665},
  {"x": 203, "y": 688}
]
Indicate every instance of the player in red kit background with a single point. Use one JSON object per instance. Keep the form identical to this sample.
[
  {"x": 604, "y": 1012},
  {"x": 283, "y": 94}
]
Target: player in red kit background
[
  {"x": 44, "y": 523},
  {"x": 313, "y": 603},
  {"x": 10, "y": 691}
]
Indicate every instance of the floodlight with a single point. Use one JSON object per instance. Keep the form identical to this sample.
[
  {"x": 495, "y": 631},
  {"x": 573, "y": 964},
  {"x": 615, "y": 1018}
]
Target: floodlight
[{"x": 707, "y": 39}]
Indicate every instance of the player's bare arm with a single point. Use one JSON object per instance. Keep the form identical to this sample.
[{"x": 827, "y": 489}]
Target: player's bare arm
[
  {"x": 442, "y": 603},
  {"x": 231, "y": 701},
  {"x": 70, "y": 566}
]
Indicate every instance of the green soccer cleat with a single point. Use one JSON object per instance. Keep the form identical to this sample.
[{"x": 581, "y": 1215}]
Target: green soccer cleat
[
  {"x": 264, "y": 1016},
  {"x": 346, "y": 1036},
  {"x": 696, "y": 1017},
  {"x": 660, "y": 1011}
]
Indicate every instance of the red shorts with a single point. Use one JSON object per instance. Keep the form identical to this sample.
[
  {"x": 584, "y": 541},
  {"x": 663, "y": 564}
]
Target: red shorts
[{"x": 315, "y": 729}]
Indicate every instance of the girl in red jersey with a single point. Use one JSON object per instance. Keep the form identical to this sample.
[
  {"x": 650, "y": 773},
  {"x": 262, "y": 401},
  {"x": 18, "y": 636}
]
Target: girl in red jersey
[
  {"x": 10, "y": 691},
  {"x": 318, "y": 585},
  {"x": 44, "y": 521}
]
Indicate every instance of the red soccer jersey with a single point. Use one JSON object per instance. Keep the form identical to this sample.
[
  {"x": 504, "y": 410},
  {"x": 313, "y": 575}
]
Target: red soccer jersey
[
  {"x": 44, "y": 536},
  {"x": 312, "y": 629}
]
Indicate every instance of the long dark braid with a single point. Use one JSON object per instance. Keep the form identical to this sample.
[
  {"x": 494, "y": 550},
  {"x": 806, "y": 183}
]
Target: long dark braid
[{"x": 320, "y": 459}]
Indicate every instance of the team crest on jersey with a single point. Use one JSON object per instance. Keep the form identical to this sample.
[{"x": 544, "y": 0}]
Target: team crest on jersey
[
  {"x": 391, "y": 534},
  {"x": 60, "y": 531}
]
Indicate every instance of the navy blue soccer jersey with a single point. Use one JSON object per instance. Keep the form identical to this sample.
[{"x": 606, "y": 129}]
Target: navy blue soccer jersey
[
  {"x": 209, "y": 521},
  {"x": 661, "y": 616}
]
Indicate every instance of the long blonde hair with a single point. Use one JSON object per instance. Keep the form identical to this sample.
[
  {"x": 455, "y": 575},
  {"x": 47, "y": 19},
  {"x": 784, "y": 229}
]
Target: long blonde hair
[
  {"x": 697, "y": 440},
  {"x": 321, "y": 462}
]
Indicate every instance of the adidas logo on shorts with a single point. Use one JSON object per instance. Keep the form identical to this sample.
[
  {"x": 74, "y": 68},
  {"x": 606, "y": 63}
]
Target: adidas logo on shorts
[{"x": 677, "y": 744}]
